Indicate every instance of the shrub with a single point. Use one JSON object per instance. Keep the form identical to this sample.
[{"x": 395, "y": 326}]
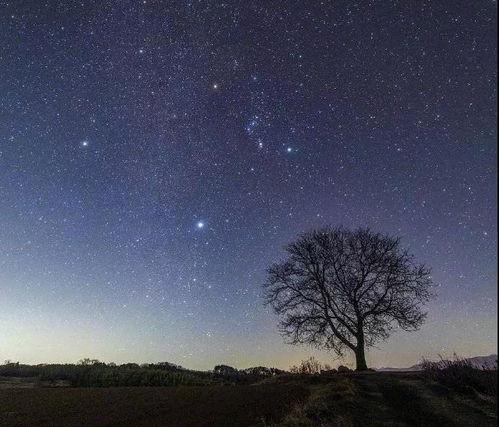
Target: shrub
[{"x": 310, "y": 366}]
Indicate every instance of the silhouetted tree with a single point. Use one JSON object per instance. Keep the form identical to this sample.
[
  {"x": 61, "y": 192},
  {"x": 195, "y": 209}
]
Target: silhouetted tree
[
  {"x": 258, "y": 371},
  {"x": 89, "y": 362},
  {"x": 346, "y": 289},
  {"x": 225, "y": 370}
]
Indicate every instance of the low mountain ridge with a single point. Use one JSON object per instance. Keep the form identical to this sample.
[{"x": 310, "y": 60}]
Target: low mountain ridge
[{"x": 479, "y": 362}]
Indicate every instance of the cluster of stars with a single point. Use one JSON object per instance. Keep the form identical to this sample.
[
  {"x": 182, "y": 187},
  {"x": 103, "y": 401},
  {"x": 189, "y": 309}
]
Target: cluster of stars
[{"x": 155, "y": 157}]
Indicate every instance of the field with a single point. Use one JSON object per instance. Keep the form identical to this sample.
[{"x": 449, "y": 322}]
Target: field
[
  {"x": 377, "y": 399},
  {"x": 148, "y": 406}
]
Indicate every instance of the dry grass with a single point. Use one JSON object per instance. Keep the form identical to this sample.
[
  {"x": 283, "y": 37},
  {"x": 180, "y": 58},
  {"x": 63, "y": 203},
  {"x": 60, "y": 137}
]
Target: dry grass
[
  {"x": 319, "y": 409},
  {"x": 460, "y": 375},
  {"x": 382, "y": 399}
]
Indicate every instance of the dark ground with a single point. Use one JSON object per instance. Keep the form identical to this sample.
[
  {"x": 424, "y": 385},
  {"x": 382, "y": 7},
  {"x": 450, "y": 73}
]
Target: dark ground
[
  {"x": 148, "y": 406},
  {"x": 370, "y": 399},
  {"x": 401, "y": 400}
]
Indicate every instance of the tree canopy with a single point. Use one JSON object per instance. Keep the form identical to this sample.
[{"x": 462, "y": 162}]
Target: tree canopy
[{"x": 342, "y": 289}]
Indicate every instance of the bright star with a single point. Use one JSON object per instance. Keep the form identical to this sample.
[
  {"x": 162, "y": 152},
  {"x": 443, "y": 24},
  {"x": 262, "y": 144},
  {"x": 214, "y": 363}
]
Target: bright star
[
  {"x": 289, "y": 149},
  {"x": 200, "y": 225},
  {"x": 84, "y": 143}
]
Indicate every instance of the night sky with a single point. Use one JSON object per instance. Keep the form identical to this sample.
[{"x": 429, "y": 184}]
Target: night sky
[{"x": 156, "y": 156}]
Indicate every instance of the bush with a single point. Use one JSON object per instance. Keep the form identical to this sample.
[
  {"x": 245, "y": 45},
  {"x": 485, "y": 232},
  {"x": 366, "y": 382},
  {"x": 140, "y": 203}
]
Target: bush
[
  {"x": 342, "y": 369},
  {"x": 311, "y": 366}
]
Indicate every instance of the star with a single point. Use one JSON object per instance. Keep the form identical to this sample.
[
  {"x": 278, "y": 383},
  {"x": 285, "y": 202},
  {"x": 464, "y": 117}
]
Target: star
[{"x": 193, "y": 156}]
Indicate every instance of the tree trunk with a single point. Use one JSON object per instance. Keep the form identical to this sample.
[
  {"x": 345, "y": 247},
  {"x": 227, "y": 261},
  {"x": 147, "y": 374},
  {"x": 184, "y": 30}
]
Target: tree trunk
[
  {"x": 360, "y": 358},
  {"x": 360, "y": 355}
]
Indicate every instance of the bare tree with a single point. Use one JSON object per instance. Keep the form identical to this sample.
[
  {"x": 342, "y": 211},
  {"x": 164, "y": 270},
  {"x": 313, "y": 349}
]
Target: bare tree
[{"x": 346, "y": 289}]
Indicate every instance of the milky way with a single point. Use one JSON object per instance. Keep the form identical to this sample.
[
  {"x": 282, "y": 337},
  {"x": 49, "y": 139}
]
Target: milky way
[{"x": 155, "y": 156}]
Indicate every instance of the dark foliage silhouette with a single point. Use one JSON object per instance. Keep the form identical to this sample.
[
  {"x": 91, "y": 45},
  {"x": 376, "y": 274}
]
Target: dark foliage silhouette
[
  {"x": 310, "y": 366},
  {"x": 94, "y": 373},
  {"x": 460, "y": 375}
]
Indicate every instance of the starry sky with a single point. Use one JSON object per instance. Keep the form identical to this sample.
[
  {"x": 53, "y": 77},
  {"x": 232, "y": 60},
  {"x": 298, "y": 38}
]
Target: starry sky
[{"x": 156, "y": 156}]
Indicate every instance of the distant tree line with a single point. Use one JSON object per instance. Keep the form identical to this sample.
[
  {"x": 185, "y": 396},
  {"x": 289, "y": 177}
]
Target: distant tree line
[
  {"x": 246, "y": 376},
  {"x": 93, "y": 373}
]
